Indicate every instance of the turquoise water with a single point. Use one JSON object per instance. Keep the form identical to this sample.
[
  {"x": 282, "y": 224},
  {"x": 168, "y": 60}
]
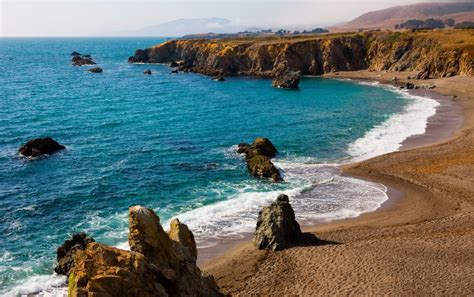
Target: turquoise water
[{"x": 168, "y": 142}]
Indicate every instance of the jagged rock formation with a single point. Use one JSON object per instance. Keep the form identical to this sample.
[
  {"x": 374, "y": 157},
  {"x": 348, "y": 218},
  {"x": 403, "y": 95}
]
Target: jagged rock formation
[
  {"x": 277, "y": 228},
  {"x": 258, "y": 155},
  {"x": 67, "y": 251},
  {"x": 415, "y": 51},
  {"x": 158, "y": 264},
  {"x": 289, "y": 80},
  {"x": 40, "y": 146}
]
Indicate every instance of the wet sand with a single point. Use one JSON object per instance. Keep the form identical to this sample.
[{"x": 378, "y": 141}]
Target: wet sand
[{"x": 421, "y": 241}]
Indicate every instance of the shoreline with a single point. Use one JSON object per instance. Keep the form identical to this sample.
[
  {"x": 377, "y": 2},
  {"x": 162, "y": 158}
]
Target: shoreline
[
  {"x": 417, "y": 201},
  {"x": 439, "y": 128}
]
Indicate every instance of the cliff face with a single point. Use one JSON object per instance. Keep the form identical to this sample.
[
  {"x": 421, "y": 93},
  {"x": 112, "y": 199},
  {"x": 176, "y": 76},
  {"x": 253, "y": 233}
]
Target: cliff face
[{"x": 313, "y": 55}]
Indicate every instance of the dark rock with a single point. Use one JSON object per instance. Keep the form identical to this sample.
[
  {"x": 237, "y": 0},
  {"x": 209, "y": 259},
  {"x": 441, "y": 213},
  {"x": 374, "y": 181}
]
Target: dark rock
[
  {"x": 158, "y": 263},
  {"x": 174, "y": 71},
  {"x": 79, "y": 61},
  {"x": 148, "y": 72},
  {"x": 141, "y": 56},
  {"x": 289, "y": 80},
  {"x": 409, "y": 86},
  {"x": 277, "y": 228},
  {"x": 40, "y": 146},
  {"x": 75, "y": 53},
  {"x": 173, "y": 64},
  {"x": 219, "y": 78},
  {"x": 87, "y": 56},
  {"x": 67, "y": 251},
  {"x": 95, "y": 70},
  {"x": 258, "y": 156}
]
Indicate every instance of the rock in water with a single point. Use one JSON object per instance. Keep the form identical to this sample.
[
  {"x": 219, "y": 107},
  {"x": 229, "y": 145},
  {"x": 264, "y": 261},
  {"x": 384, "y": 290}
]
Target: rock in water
[
  {"x": 141, "y": 56},
  {"x": 158, "y": 264},
  {"x": 288, "y": 80},
  {"x": 277, "y": 228},
  {"x": 79, "y": 61},
  {"x": 67, "y": 251},
  {"x": 95, "y": 70},
  {"x": 219, "y": 78},
  {"x": 74, "y": 53},
  {"x": 40, "y": 146},
  {"x": 147, "y": 72},
  {"x": 258, "y": 155}
]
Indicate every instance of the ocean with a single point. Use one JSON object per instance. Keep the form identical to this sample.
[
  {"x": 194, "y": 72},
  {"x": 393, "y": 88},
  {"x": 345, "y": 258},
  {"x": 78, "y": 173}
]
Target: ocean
[{"x": 168, "y": 142}]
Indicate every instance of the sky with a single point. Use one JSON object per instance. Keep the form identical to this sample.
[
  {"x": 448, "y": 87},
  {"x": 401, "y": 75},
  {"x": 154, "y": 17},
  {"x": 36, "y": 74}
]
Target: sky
[{"x": 106, "y": 17}]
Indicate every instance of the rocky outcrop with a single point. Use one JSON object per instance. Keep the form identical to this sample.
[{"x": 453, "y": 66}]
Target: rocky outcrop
[
  {"x": 40, "y": 146},
  {"x": 277, "y": 228},
  {"x": 80, "y": 61},
  {"x": 158, "y": 263},
  {"x": 257, "y": 156},
  {"x": 289, "y": 80},
  {"x": 314, "y": 55},
  {"x": 67, "y": 251},
  {"x": 95, "y": 70}
]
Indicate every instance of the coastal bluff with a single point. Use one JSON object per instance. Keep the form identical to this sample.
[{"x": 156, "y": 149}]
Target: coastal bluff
[{"x": 431, "y": 53}]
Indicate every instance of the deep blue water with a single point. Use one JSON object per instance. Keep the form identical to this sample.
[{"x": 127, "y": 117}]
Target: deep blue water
[{"x": 164, "y": 141}]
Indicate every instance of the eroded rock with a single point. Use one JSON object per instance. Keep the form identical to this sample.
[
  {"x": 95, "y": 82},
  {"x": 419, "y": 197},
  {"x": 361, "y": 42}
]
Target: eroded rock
[
  {"x": 257, "y": 156},
  {"x": 40, "y": 146},
  {"x": 80, "y": 61},
  {"x": 277, "y": 228},
  {"x": 158, "y": 263},
  {"x": 66, "y": 252},
  {"x": 288, "y": 80}
]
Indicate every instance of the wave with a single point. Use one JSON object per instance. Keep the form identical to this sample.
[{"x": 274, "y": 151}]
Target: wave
[
  {"x": 389, "y": 135},
  {"x": 43, "y": 285}
]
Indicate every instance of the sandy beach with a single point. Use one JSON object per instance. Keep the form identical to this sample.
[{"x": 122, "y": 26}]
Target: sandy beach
[{"x": 419, "y": 242}]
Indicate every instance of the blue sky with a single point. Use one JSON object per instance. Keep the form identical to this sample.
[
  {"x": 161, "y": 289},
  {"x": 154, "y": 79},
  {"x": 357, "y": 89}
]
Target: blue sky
[{"x": 86, "y": 18}]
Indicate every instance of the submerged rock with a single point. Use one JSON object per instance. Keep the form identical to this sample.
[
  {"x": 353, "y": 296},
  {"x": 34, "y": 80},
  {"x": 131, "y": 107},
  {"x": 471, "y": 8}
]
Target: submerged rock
[
  {"x": 40, "y": 146},
  {"x": 258, "y": 155},
  {"x": 158, "y": 264},
  {"x": 95, "y": 70},
  {"x": 277, "y": 228},
  {"x": 66, "y": 252},
  {"x": 74, "y": 53},
  {"x": 80, "y": 61},
  {"x": 147, "y": 72},
  {"x": 219, "y": 78},
  {"x": 288, "y": 80}
]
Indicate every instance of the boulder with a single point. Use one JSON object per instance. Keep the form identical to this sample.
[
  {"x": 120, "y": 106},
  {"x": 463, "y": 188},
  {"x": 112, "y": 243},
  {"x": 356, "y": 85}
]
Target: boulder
[
  {"x": 95, "y": 70},
  {"x": 147, "y": 72},
  {"x": 409, "y": 86},
  {"x": 74, "y": 53},
  {"x": 174, "y": 64},
  {"x": 66, "y": 252},
  {"x": 277, "y": 228},
  {"x": 427, "y": 86},
  {"x": 79, "y": 61},
  {"x": 288, "y": 80},
  {"x": 174, "y": 71},
  {"x": 158, "y": 263},
  {"x": 40, "y": 146},
  {"x": 257, "y": 156}
]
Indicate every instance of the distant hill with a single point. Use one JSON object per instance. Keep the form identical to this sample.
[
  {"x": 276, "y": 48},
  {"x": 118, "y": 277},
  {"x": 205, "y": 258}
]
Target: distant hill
[
  {"x": 182, "y": 27},
  {"x": 388, "y": 18}
]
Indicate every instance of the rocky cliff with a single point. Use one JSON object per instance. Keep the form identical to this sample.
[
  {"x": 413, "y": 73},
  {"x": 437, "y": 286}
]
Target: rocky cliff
[
  {"x": 409, "y": 51},
  {"x": 158, "y": 263}
]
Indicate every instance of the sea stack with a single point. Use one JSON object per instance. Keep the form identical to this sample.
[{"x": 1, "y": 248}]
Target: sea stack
[
  {"x": 40, "y": 146},
  {"x": 258, "y": 155},
  {"x": 158, "y": 263},
  {"x": 288, "y": 80},
  {"x": 277, "y": 228}
]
